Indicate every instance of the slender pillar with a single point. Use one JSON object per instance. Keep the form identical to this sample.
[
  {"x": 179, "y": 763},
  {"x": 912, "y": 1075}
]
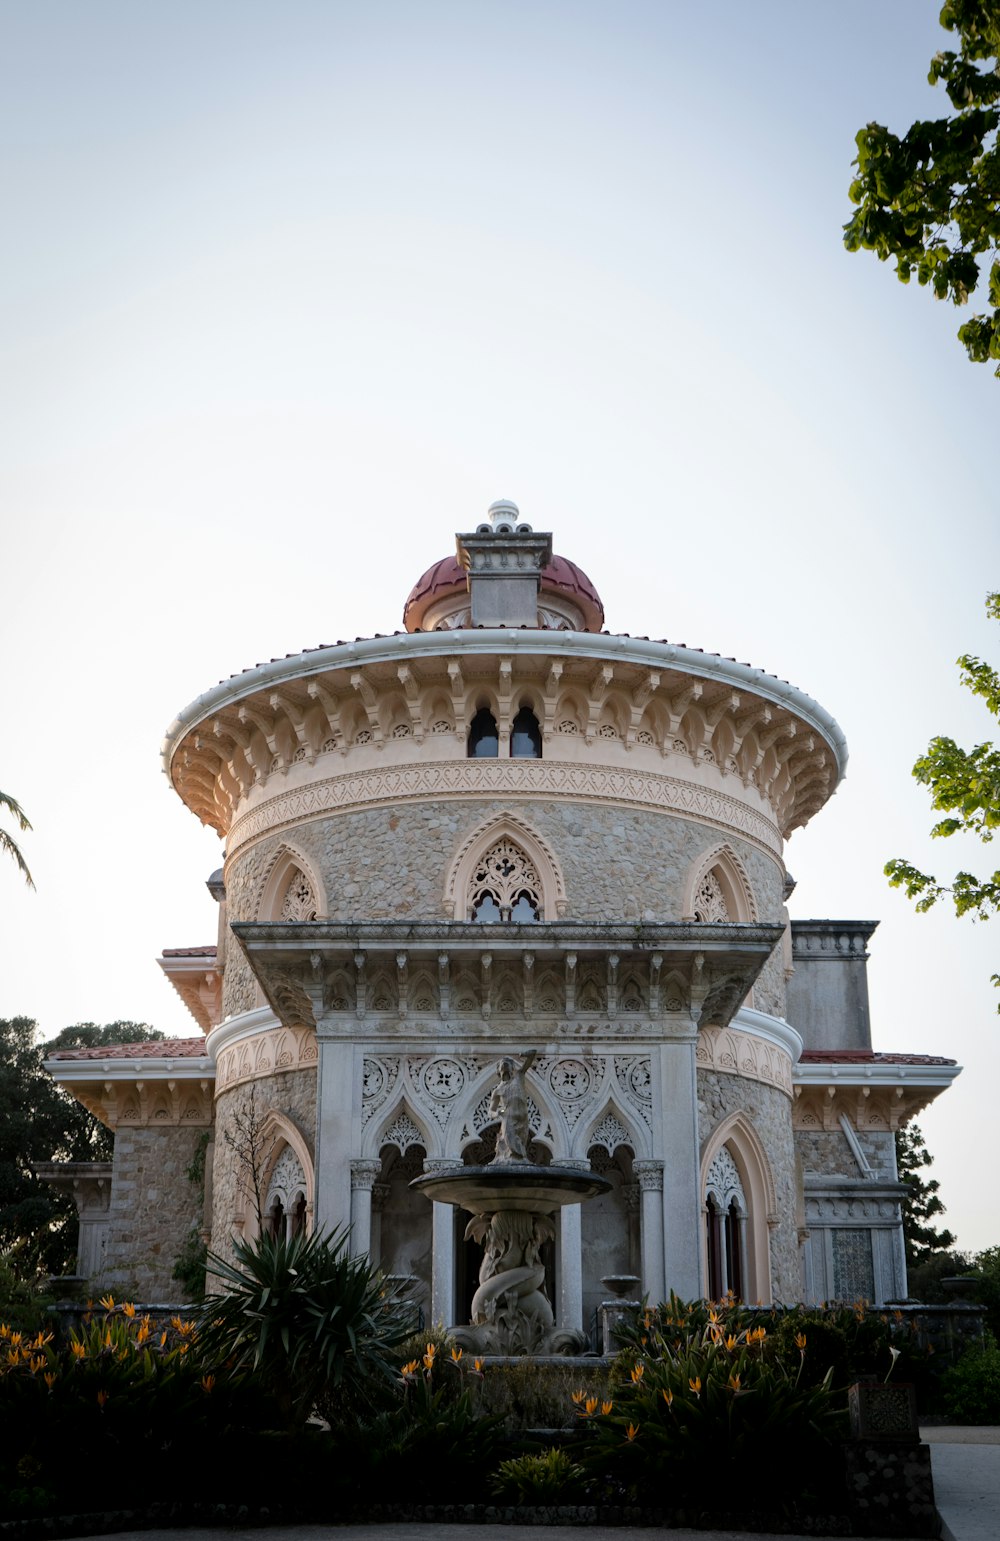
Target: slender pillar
[
  {"x": 569, "y": 1307},
  {"x": 334, "y": 1123},
  {"x": 650, "y": 1179},
  {"x": 443, "y": 1253},
  {"x": 682, "y": 1200},
  {"x": 364, "y": 1176}
]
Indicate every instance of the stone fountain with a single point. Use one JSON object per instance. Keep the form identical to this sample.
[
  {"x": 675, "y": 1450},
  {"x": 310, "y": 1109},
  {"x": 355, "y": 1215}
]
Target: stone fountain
[{"x": 513, "y": 1202}]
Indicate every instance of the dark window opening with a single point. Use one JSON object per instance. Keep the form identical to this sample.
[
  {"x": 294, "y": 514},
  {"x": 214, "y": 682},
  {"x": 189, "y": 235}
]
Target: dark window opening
[
  {"x": 484, "y": 740},
  {"x": 526, "y": 736}
]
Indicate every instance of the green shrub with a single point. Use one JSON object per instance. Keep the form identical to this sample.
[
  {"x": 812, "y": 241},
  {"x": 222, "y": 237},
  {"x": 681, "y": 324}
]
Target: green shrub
[
  {"x": 972, "y": 1386},
  {"x": 550, "y": 1478},
  {"x": 308, "y": 1322}
]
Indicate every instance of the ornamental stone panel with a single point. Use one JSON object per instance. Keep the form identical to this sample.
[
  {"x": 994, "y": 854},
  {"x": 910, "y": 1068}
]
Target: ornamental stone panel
[{"x": 769, "y": 1110}]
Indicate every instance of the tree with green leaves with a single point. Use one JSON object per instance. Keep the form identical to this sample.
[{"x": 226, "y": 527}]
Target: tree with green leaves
[
  {"x": 964, "y": 784},
  {"x": 39, "y": 1122},
  {"x": 931, "y": 198},
  {"x": 921, "y": 1239},
  {"x": 7, "y": 841}
]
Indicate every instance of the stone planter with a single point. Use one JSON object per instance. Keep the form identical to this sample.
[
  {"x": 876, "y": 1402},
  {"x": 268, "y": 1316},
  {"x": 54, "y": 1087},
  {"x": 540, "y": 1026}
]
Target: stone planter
[{"x": 882, "y": 1411}]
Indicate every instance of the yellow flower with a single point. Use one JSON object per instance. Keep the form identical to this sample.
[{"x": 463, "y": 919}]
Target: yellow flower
[
  {"x": 143, "y": 1333},
  {"x": 78, "y": 1350},
  {"x": 38, "y": 1363},
  {"x": 695, "y": 1384},
  {"x": 102, "y": 1397},
  {"x": 800, "y": 1340},
  {"x": 638, "y": 1372},
  {"x": 734, "y": 1383},
  {"x": 668, "y": 1397},
  {"x": 430, "y": 1351},
  {"x": 107, "y": 1303},
  {"x": 129, "y": 1309},
  {"x": 731, "y": 1342},
  {"x": 207, "y": 1382},
  {"x": 428, "y": 1361},
  {"x": 456, "y": 1355},
  {"x": 16, "y": 1339},
  {"x": 606, "y": 1408},
  {"x": 50, "y": 1379},
  {"x": 13, "y": 1356},
  {"x": 410, "y": 1369},
  {"x": 713, "y": 1315},
  {"x": 716, "y": 1334},
  {"x": 182, "y": 1348},
  {"x": 163, "y": 1338},
  {"x": 578, "y": 1396},
  {"x": 631, "y": 1432},
  {"x": 477, "y": 1365},
  {"x": 591, "y": 1406}
]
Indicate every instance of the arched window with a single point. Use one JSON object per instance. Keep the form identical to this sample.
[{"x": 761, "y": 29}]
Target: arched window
[
  {"x": 505, "y": 887},
  {"x": 299, "y": 901},
  {"x": 525, "y": 736},
  {"x": 726, "y": 1219},
  {"x": 285, "y": 1205},
  {"x": 710, "y": 901},
  {"x": 484, "y": 740}
]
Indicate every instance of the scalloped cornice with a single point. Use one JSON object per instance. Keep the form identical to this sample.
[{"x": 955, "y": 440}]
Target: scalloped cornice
[{"x": 405, "y": 701}]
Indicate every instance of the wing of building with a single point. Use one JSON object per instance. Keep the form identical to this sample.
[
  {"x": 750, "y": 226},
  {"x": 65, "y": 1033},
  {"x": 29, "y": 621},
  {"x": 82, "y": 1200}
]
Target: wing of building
[{"x": 506, "y": 829}]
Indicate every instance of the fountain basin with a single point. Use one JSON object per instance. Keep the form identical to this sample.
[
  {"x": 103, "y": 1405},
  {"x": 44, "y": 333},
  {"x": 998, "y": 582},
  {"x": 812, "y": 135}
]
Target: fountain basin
[{"x": 511, "y": 1185}]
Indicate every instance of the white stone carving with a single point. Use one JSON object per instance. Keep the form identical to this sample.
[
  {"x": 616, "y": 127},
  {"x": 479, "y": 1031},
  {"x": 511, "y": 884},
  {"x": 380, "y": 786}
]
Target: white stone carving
[
  {"x": 505, "y": 873},
  {"x": 402, "y": 1133},
  {"x": 288, "y": 1181},
  {"x": 710, "y": 902},
  {"x": 723, "y": 1180},
  {"x": 378, "y": 1078},
  {"x": 299, "y": 902},
  {"x": 611, "y": 1133},
  {"x": 736, "y": 1053},
  {"x": 442, "y": 1079},
  {"x": 570, "y": 1079}
]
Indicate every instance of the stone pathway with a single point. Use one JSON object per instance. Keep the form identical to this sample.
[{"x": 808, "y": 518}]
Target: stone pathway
[{"x": 966, "y": 1466}]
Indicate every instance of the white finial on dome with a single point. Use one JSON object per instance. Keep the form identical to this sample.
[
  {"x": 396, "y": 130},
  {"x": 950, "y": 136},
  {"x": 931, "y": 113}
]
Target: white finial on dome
[{"x": 504, "y": 515}]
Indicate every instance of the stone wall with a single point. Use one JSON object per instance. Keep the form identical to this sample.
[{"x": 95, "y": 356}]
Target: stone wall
[
  {"x": 154, "y": 1204},
  {"x": 292, "y": 1093},
  {"x": 769, "y": 1111},
  {"x": 392, "y": 863},
  {"x": 826, "y": 1153}
]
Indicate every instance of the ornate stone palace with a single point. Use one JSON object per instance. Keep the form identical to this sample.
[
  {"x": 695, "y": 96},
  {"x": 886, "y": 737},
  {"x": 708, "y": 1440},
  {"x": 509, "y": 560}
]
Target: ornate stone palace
[{"x": 506, "y": 829}]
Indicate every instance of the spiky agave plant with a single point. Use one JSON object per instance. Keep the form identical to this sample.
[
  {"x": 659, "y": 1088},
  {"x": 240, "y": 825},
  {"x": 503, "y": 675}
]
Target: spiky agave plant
[{"x": 307, "y": 1320}]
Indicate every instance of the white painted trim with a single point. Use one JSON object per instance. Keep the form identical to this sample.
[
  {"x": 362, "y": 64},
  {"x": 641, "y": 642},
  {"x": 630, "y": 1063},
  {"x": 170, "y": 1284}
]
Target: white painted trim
[
  {"x": 248, "y": 1024},
  {"x": 152, "y": 1069},
  {"x": 772, "y": 1029},
  {"x": 548, "y": 644},
  {"x": 881, "y": 1075}
]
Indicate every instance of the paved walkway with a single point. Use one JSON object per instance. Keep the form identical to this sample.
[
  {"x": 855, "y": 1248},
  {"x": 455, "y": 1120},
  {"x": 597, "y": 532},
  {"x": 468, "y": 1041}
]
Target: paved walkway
[{"x": 965, "y": 1463}]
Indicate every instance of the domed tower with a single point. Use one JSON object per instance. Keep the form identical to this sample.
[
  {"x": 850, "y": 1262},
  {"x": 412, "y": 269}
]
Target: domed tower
[{"x": 505, "y": 829}]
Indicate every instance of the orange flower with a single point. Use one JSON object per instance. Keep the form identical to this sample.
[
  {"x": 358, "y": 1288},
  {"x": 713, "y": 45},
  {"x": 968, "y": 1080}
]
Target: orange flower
[
  {"x": 591, "y": 1406},
  {"x": 695, "y": 1384},
  {"x": 207, "y": 1382},
  {"x": 78, "y": 1350},
  {"x": 129, "y": 1309},
  {"x": 800, "y": 1340},
  {"x": 606, "y": 1408},
  {"x": 668, "y": 1397},
  {"x": 577, "y": 1397},
  {"x": 411, "y": 1368},
  {"x": 456, "y": 1355},
  {"x": 731, "y": 1342},
  {"x": 638, "y": 1371},
  {"x": 50, "y": 1379},
  {"x": 477, "y": 1365},
  {"x": 631, "y": 1432},
  {"x": 734, "y": 1383},
  {"x": 107, "y": 1302},
  {"x": 102, "y": 1397}
]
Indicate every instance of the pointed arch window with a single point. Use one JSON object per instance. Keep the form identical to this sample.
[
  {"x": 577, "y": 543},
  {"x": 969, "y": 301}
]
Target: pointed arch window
[
  {"x": 726, "y": 1219},
  {"x": 298, "y": 902},
  {"x": 505, "y": 887},
  {"x": 709, "y": 900},
  {"x": 525, "y": 736},
  {"x": 484, "y": 740}
]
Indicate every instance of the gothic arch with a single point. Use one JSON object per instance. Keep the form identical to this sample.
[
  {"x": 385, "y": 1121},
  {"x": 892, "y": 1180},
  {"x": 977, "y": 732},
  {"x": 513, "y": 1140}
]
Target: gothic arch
[
  {"x": 722, "y": 863},
  {"x": 401, "y": 1125},
  {"x": 599, "y": 1129},
  {"x": 538, "y": 851},
  {"x": 279, "y": 873},
  {"x": 745, "y": 1146},
  {"x": 277, "y": 1134}
]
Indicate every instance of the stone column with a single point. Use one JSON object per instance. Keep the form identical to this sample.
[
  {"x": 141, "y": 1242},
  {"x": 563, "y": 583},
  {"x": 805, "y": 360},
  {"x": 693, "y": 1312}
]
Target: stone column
[
  {"x": 682, "y": 1199},
  {"x": 334, "y": 1138},
  {"x": 364, "y": 1176},
  {"x": 443, "y": 1252},
  {"x": 569, "y": 1240},
  {"x": 650, "y": 1178}
]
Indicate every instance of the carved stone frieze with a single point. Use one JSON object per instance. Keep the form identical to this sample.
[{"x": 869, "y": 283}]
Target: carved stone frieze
[
  {"x": 737, "y": 1053},
  {"x": 267, "y": 1053}
]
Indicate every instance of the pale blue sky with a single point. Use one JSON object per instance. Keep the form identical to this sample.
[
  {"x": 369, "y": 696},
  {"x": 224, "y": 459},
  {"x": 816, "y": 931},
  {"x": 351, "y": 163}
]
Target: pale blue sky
[{"x": 291, "y": 293}]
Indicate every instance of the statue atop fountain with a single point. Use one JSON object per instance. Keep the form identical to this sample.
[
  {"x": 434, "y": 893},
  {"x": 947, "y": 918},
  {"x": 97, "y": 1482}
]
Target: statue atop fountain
[{"x": 512, "y": 1201}]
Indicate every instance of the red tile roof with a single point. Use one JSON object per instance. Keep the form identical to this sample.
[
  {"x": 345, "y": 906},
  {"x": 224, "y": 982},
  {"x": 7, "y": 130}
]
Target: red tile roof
[
  {"x": 868, "y": 1057},
  {"x": 190, "y": 952},
  {"x": 150, "y": 1048}
]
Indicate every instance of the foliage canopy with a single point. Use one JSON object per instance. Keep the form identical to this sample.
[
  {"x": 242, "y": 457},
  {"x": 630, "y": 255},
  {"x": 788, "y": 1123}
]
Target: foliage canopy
[
  {"x": 931, "y": 198},
  {"x": 964, "y": 784}
]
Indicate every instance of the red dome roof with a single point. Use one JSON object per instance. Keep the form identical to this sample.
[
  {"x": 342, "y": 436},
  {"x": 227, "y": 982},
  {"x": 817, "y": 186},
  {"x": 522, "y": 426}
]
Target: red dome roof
[{"x": 447, "y": 577}]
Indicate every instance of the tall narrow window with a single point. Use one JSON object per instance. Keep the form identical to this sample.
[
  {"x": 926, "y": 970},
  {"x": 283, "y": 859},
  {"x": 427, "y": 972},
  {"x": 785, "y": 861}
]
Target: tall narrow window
[
  {"x": 526, "y": 736},
  {"x": 726, "y": 1216},
  {"x": 484, "y": 740}
]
